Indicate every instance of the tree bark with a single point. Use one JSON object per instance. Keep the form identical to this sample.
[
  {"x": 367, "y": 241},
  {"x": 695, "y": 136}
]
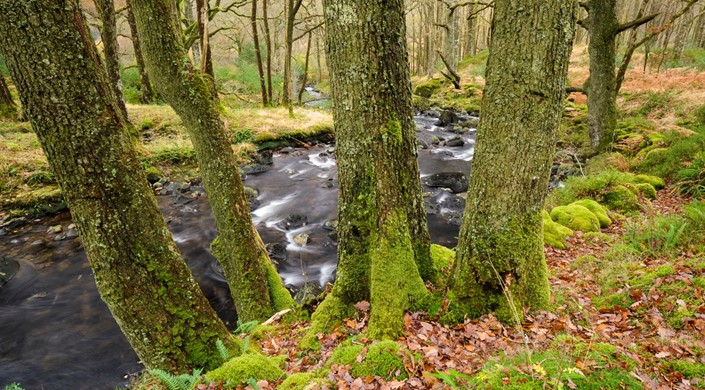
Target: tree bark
[
  {"x": 206, "y": 64},
  {"x": 500, "y": 264},
  {"x": 108, "y": 34},
  {"x": 291, "y": 10},
  {"x": 8, "y": 109},
  {"x": 302, "y": 89},
  {"x": 258, "y": 54},
  {"x": 257, "y": 289},
  {"x": 268, "y": 44},
  {"x": 602, "y": 25},
  {"x": 146, "y": 91},
  {"x": 383, "y": 241},
  {"x": 138, "y": 269}
]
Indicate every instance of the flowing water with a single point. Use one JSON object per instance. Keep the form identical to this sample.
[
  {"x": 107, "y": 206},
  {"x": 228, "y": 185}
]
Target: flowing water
[{"x": 56, "y": 333}]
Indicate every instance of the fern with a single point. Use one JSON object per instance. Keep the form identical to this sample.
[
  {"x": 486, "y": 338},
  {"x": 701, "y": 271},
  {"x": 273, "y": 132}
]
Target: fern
[
  {"x": 222, "y": 351},
  {"x": 451, "y": 378},
  {"x": 13, "y": 386},
  {"x": 246, "y": 327},
  {"x": 253, "y": 383},
  {"x": 245, "y": 344},
  {"x": 177, "y": 382},
  {"x": 673, "y": 236}
]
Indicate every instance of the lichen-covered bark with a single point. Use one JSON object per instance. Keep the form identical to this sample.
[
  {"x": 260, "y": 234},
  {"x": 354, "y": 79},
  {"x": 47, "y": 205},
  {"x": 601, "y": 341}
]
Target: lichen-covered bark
[
  {"x": 7, "y": 105},
  {"x": 238, "y": 246},
  {"x": 139, "y": 271},
  {"x": 108, "y": 35},
  {"x": 601, "y": 88},
  {"x": 383, "y": 241},
  {"x": 500, "y": 242},
  {"x": 146, "y": 91}
]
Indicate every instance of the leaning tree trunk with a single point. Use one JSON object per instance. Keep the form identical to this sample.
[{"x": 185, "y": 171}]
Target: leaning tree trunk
[
  {"x": 108, "y": 34},
  {"x": 383, "y": 241},
  {"x": 500, "y": 249},
  {"x": 256, "y": 287},
  {"x": 146, "y": 91},
  {"x": 138, "y": 269},
  {"x": 8, "y": 109},
  {"x": 602, "y": 25}
]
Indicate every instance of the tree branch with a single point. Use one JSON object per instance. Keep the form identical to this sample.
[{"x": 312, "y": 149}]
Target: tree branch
[{"x": 636, "y": 23}]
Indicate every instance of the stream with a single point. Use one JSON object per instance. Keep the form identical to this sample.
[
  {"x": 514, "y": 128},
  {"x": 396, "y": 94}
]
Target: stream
[{"x": 56, "y": 333}]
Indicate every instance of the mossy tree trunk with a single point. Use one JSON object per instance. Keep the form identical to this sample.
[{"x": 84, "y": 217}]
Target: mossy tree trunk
[
  {"x": 501, "y": 242},
  {"x": 602, "y": 25},
  {"x": 292, "y": 9},
  {"x": 139, "y": 271},
  {"x": 8, "y": 109},
  {"x": 256, "y": 287},
  {"x": 258, "y": 54},
  {"x": 383, "y": 241},
  {"x": 146, "y": 91},
  {"x": 108, "y": 34}
]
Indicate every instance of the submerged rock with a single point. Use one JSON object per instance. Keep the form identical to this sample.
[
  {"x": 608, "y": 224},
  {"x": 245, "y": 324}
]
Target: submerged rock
[
  {"x": 455, "y": 142},
  {"x": 295, "y": 221},
  {"x": 455, "y": 181}
]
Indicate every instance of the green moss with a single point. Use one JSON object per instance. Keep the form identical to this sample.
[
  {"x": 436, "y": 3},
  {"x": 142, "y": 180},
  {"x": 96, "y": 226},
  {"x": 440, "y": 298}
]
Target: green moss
[
  {"x": 647, "y": 190},
  {"x": 393, "y": 130},
  {"x": 621, "y": 198},
  {"x": 297, "y": 381},
  {"x": 346, "y": 353},
  {"x": 599, "y": 210},
  {"x": 280, "y": 296},
  {"x": 426, "y": 89},
  {"x": 688, "y": 369},
  {"x": 554, "y": 234},
  {"x": 329, "y": 313},
  {"x": 237, "y": 371},
  {"x": 657, "y": 182},
  {"x": 576, "y": 217},
  {"x": 383, "y": 360},
  {"x": 442, "y": 257}
]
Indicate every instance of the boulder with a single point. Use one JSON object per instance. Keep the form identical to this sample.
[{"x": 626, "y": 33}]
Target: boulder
[
  {"x": 576, "y": 217},
  {"x": 447, "y": 117},
  {"x": 455, "y": 181}
]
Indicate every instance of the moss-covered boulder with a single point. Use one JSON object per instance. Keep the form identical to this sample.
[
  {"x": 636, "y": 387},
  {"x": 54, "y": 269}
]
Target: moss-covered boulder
[
  {"x": 237, "y": 371},
  {"x": 426, "y": 89},
  {"x": 442, "y": 257},
  {"x": 304, "y": 381},
  {"x": 599, "y": 210},
  {"x": 554, "y": 234},
  {"x": 657, "y": 182},
  {"x": 647, "y": 190},
  {"x": 576, "y": 217},
  {"x": 620, "y": 198}
]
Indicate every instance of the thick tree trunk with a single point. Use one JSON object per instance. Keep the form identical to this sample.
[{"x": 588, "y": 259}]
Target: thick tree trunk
[
  {"x": 383, "y": 242},
  {"x": 602, "y": 25},
  {"x": 146, "y": 91},
  {"x": 108, "y": 34},
  {"x": 255, "y": 285},
  {"x": 258, "y": 53},
  {"x": 8, "y": 109},
  {"x": 138, "y": 269},
  {"x": 500, "y": 249}
]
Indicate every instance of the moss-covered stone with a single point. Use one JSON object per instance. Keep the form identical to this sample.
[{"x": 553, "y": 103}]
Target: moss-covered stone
[
  {"x": 657, "y": 182},
  {"x": 599, "y": 210},
  {"x": 620, "y": 198},
  {"x": 647, "y": 190},
  {"x": 237, "y": 371},
  {"x": 426, "y": 89},
  {"x": 442, "y": 257},
  {"x": 576, "y": 217},
  {"x": 305, "y": 381},
  {"x": 554, "y": 234}
]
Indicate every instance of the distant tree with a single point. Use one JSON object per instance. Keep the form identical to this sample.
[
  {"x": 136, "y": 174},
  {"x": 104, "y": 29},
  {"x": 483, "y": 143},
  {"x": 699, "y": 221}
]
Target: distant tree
[
  {"x": 500, "y": 264},
  {"x": 108, "y": 35},
  {"x": 8, "y": 109},
  {"x": 146, "y": 89},
  {"x": 258, "y": 54},
  {"x": 139, "y": 271},
  {"x": 257, "y": 289},
  {"x": 383, "y": 240}
]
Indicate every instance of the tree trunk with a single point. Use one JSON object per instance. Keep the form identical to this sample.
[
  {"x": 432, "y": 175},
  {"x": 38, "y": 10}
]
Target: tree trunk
[
  {"x": 602, "y": 25},
  {"x": 8, "y": 109},
  {"x": 108, "y": 34},
  {"x": 190, "y": 18},
  {"x": 268, "y": 44},
  {"x": 146, "y": 91},
  {"x": 302, "y": 89},
  {"x": 383, "y": 242},
  {"x": 203, "y": 8},
  {"x": 255, "y": 285},
  {"x": 258, "y": 53},
  {"x": 138, "y": 269},
  {"x": 500, "y": 249},
  {"x": 291, "y": 10}
]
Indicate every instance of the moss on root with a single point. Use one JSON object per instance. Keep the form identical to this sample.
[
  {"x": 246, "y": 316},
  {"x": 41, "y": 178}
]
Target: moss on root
[
  {"x": 384, "y": 359},
  {"x": 237, "y": 371}
]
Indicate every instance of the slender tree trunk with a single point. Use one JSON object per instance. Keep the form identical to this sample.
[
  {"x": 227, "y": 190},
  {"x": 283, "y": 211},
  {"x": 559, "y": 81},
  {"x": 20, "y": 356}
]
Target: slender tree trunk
[
  {"x": 108, "y": 34},
  {"x": 258, "y": 53},
  {"x": 500, "y": 249},
  {"x": 602, "y": 25},
  {"x": 138, "y": 269},
  {"x": 256, "y": 287},
  {"x": 291, "y": 10},
  {"x": 203, "y": 8},
  {"x": 268, "y": 43},
  {"x": 146, "y": 91},
  {"x": 383, "y": 242},
  {"x": 305, "y": 80},
  {"x": 190, "y": 18},
  {"x": 8, "y": 109},
  {"x": 318, "y": 59}
]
